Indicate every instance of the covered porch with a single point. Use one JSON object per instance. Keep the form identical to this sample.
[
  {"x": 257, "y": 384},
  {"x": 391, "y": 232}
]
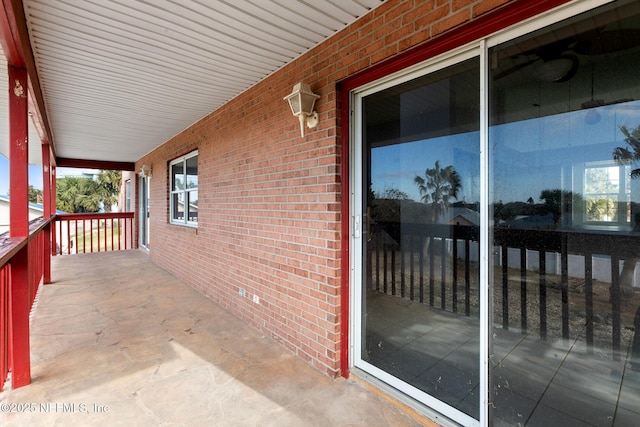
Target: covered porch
[
  {"x": 118, "y": 340},
  {"x": 284, "y": 252}
]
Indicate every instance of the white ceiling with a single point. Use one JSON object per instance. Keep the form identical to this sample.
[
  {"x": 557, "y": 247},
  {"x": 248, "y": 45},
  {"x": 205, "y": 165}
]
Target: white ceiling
[{"x": 121, "y": 77}]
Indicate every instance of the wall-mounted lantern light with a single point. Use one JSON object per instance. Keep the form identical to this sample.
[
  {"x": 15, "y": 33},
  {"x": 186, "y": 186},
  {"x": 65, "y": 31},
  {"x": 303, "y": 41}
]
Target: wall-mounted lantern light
[
  {"x": 301, "y": 101},
  {"x": 145, "y": 171}
]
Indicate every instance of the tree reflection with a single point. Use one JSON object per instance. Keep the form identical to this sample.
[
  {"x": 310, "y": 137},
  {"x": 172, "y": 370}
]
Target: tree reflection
[
  {"x": 630, "y": 154},
  {"x": 560, "y": 204},
  {"x": 438, "y": 186},
  {"x": 626, "y": 156}
]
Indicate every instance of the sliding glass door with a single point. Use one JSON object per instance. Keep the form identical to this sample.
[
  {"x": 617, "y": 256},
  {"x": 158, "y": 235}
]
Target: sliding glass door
[
  {"x": 143, "y": 237},
  {"x": 565, "y": 137},
  {"x": 500, "y": 285},
  {"x": 419, "y": 199}
]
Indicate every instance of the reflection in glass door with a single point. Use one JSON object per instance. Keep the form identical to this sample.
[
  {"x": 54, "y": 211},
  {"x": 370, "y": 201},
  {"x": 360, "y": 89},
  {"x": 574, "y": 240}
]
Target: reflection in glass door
[
  {"x": 565, "y": 139},
  {"x": 418, "y": 210},
  {"x": 558, "y": 340}
]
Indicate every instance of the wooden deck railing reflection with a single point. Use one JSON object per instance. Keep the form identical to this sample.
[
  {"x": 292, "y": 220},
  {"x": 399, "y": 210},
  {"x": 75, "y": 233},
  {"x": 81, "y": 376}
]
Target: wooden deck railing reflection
[
  {"x": 406, "y": 260},
  {"x": 93, "y": 232},
  {"x": 544, "y": 281}
]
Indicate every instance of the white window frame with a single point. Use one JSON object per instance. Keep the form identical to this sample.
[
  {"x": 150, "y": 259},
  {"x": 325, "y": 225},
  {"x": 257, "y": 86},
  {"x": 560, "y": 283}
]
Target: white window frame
[
  {"x": 181, "y": 161},
  {"x": 622, "y": 196}
]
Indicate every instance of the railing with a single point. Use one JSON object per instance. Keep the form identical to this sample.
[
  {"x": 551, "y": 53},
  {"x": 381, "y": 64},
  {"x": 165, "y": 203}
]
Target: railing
[
  {"x": 27, "y": 261},
  {"x": 413, "y": 261},
  {"x": 573, "y": 304},
  {"x": 27, "y": 255},
  {"x": 36, "y": 264},
  {"x": 5, "y": 310},
  {"x": 545, "y": 282},
  {"x": 93, "y": 232}
]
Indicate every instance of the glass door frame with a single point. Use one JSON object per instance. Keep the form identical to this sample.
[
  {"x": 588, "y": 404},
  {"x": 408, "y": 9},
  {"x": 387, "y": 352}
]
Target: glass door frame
[
  {"x": 354, "y": 152},
  {"x": 143, "y": 235},
  {"x": 435, "y": 64}
]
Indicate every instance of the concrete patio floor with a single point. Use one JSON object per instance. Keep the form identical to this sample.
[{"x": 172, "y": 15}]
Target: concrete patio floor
[{"x": 116, "y": 340}]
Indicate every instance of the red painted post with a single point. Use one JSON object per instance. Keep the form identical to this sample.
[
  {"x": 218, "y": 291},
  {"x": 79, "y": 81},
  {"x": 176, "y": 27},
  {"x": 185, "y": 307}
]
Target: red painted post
[
  {"x": 18, "y": 153},
  {"x": 46, "y": 211},
  {"x": 5, "y": 297},
  {"x": 19, "y": 225},
  {"x": 20, "y": 308}
]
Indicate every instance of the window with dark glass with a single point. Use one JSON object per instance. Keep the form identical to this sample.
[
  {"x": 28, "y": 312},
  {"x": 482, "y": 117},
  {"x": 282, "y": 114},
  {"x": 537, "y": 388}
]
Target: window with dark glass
[{"x": 184, "y": 190}]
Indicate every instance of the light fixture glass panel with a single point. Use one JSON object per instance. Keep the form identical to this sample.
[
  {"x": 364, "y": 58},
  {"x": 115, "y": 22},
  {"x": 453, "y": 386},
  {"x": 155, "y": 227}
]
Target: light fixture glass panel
[
  {"x": 294, "y": 102},
  {"x": 307, "y": 101}
]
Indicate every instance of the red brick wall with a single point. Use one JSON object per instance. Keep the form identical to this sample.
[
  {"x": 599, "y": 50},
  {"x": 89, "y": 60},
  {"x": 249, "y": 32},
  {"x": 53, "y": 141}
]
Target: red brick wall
[{"x": 269, "y": 207}]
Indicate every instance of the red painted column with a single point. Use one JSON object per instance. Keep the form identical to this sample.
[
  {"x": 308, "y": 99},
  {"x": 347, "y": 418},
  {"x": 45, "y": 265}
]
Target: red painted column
[
  {"x": 19, "y": 225},
  {"x": 18, "y": 153},
  {"x": 20, "y": 308},
  {"x": 46, "y": 210}
]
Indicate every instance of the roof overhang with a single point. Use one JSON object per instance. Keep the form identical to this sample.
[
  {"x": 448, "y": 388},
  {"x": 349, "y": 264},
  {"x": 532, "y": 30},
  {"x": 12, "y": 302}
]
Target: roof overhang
[{"x": 111, "y": 81}]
